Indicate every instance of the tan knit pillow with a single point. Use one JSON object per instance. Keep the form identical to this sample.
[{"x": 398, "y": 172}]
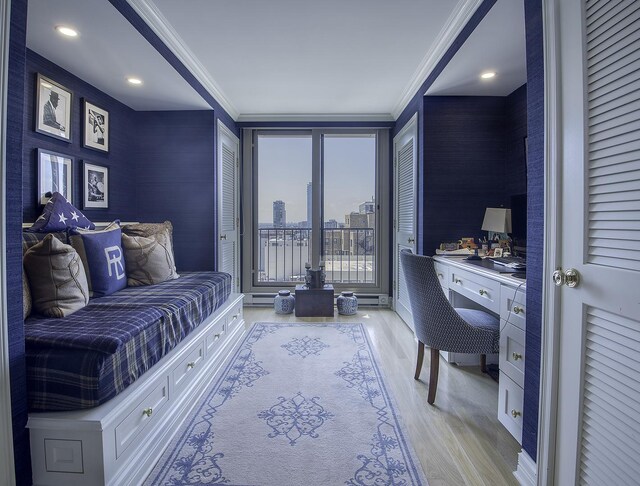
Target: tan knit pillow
[
  {"x": 148, "y": 260},
  {"x": 163, "y": 232},
  {"x": 56, "y": 277}
]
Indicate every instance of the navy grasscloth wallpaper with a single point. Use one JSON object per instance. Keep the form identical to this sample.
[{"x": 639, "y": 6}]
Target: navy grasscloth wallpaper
[
  {"x": 175, "y": 173},
  {"x": 13, "y": 229},
  {"x": 535, "y": 221},
  {"x": 120, "y": 159}
]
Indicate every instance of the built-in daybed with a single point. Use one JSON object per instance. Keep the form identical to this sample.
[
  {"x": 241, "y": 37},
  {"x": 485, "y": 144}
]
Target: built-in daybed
[{"x": 109, "y": 385}]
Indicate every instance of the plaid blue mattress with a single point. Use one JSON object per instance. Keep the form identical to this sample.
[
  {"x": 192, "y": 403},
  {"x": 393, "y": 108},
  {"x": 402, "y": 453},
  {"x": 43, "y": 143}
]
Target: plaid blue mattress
[{"x": 87, "y": 358}]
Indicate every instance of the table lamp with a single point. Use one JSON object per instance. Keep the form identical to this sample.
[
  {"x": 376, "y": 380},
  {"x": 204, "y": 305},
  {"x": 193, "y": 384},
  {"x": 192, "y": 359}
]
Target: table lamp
[{"x": 497, "y": 221}]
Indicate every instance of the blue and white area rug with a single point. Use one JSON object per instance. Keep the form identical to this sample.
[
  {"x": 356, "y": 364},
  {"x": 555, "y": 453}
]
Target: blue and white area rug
[{"x": 297, "y": 404}]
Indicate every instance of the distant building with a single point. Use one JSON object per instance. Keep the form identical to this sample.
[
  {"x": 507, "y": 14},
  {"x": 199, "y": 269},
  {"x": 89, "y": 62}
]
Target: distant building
[
  {"x": 356, "y": 220},
  {"x": 367, "y": 207},
  {"x": 279, "y": 214},
  {"x": 331, "y": 224},
  {"x": 309, "y": 203}
]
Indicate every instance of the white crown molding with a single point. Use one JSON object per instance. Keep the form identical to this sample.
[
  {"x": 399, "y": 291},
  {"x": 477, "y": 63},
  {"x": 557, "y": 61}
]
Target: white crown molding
[
  {"x": 163, "y": 29},
  {"x": 454, "y": 25},
  {"x": 318, "y": 117}
]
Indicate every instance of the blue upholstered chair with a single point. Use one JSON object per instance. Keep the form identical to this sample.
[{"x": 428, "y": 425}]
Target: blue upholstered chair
[{"x": 440, "y": 326}]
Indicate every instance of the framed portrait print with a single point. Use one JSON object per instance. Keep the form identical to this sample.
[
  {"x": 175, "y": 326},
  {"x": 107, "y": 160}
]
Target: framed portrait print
[
  {"x": 95, "y": 127},
  {"x": 95, "y": 186},
  {"x": 53, "y": 109},
  {"x": 54, "y": 175}
]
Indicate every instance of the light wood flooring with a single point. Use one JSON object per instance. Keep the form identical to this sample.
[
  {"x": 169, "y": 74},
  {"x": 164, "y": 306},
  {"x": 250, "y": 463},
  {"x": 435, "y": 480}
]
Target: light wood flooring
[{"x": 458, "y": 440}]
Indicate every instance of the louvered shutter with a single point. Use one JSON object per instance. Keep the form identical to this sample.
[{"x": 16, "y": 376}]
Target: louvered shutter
[
  {"x": 406, "y": 204},
  {"x": 613, "y": 98}
]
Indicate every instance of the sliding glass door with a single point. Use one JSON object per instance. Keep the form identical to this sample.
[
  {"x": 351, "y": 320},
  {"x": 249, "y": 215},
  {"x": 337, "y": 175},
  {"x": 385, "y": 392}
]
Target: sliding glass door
[{"x": 315, "y": 196}]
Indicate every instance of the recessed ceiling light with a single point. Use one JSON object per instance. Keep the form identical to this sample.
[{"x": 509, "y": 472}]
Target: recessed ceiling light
[
  {"x": 488, "y": 75},
  {"x": 68, "y": 31},
  {"x": 135, "y": 81}
]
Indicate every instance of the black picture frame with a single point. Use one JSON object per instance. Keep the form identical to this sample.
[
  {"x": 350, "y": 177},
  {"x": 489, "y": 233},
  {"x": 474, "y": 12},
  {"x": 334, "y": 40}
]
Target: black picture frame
[
  {"x": 95, "y": 127},
  {"x": 55, "y": 174},
  {"x": 53, "y": 109},
  {"x": 95, "y": 186}
]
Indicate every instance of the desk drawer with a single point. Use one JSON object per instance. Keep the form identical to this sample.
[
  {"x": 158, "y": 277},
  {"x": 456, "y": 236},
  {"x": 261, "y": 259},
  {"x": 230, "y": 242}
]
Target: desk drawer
[
  {"x": 510, "y": 400},
  {"x": 442, "y": 271},
  {"x": 512, "y": 358},
  {"x": 482, "y": 290},
  {"x": 513, "y": 306}
]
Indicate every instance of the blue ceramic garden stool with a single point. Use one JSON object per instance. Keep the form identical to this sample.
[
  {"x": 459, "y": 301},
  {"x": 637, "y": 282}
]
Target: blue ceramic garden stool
[
  {"x": 347, "y": 304},
  {"x": 284, "y": 302}
]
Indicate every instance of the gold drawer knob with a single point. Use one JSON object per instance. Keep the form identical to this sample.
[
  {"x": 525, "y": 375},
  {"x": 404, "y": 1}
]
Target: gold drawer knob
[
  {"x": 516, "y": 356},
  {"x": 147, "y": 411},
  {"x": 518, "y": 310},
  {"x": 483, "y": 292},
  {"x": 192, "y": 364},
  {"x": 515, "y": 413},
  {"x": 217, "y": 336},
  {"x": 458, "y": 281}
]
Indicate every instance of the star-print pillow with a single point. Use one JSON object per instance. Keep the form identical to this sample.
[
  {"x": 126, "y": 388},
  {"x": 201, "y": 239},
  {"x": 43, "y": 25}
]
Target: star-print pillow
[{"x": 58, "y": 215}]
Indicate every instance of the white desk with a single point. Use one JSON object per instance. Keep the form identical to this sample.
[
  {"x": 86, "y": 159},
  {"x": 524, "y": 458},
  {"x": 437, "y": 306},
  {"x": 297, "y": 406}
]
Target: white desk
[{"x": 473, "y": 286}]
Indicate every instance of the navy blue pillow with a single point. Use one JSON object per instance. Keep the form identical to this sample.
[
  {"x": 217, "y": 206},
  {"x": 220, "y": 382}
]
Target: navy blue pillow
[
  {"x": 59, "y": 215},
  {"x": 102, "y": 257}
]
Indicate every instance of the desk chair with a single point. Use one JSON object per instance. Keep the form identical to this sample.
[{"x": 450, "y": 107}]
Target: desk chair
[{"x": 440, "y": 326}]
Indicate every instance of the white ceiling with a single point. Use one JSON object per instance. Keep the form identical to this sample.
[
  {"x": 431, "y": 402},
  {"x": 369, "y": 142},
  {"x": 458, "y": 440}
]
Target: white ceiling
[
  {"x": 107, "y": 51},
  {"x": 284, "y": 58}
]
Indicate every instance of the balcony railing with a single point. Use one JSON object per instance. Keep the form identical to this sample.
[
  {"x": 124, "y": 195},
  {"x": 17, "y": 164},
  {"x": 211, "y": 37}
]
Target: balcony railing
[{"x": 348, "y": 254}]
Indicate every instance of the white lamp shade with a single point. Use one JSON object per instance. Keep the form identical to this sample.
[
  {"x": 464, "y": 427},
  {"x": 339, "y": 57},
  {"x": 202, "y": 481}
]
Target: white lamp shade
[{"x": 497, "y": 220}]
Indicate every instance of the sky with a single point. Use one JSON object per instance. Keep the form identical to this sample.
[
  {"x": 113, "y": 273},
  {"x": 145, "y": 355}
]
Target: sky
[{"x": 284, "y": 169}]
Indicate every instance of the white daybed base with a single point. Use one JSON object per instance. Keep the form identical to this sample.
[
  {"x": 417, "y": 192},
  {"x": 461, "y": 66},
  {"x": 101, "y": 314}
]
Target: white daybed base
[{"x": 119, "y": 442}]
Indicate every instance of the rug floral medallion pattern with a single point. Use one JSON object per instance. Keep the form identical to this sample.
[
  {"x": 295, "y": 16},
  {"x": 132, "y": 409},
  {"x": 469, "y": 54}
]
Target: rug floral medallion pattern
[{"x": 296, "y": 403}]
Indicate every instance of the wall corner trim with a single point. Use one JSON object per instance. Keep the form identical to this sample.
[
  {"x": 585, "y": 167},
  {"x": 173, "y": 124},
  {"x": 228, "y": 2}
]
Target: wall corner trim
[
  {"x": 449, "y": 33},
  {"x": 152, "y": 16}
]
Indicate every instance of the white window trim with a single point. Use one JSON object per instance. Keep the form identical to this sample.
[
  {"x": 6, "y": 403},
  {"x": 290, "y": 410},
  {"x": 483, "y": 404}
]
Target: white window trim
[
  {"x": 249, "y": 209},
  {"x": 7, "y": 469}
]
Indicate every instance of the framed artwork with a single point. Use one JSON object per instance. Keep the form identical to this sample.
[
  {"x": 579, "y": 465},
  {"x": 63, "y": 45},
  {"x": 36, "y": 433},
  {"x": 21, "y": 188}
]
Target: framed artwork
[
  {"x": 497, "y": 252},
  {"x": 53, "y": 109},
  {"x": 95, "y": 128},
  {"x": 95, "y": 186},
  {"x": 54, "y": 175}
]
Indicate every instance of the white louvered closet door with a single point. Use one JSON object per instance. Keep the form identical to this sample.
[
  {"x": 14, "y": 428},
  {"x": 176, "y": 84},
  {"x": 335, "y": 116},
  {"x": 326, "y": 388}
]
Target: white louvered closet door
[
  {"x": 228, "y": 204},
  {"x": 598, "y": 440},
  {"x": 405, "y": 159}
]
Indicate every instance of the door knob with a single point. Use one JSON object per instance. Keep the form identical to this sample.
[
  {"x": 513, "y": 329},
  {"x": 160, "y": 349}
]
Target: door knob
[{"x": 570, "y": 278}]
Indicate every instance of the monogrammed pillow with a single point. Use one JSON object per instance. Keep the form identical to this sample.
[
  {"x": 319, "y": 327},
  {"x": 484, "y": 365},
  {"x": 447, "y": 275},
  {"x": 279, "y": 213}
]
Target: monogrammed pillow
[
  {"x": 148, "y": 260},
  {"x": 57, "y": 278},
  {"x": 103, "y": 259}
]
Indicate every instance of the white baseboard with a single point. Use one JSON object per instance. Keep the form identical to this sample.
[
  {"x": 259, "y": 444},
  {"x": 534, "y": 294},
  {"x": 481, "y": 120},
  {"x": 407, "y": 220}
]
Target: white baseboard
[{"x": 526, "y": 474}]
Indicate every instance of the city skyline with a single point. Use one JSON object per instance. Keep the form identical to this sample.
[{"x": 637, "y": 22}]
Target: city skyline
[{"x": 284, "y": 171}]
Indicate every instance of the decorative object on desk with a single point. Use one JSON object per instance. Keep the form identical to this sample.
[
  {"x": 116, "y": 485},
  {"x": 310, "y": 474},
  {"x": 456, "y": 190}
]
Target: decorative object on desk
[
  {"x": 284, "y": 302},
  {"x": 449, "y": 246},
  {"x": 329, "y": 417},
  {"x": 53, "y": 109},
  {"x": 497, "y": 252},
  {"x": 467, "y": 243},
  {"x": 497, "y": 221},
  {"x": 347, "y": 304}
]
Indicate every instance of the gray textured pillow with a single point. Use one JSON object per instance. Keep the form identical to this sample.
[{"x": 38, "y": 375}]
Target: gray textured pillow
[
  {"x": 163, "y": 232},
  {"x": 56, "y": 277},
  {"x": 26, "y": 296},
  {"x": 149, "y": 260}
]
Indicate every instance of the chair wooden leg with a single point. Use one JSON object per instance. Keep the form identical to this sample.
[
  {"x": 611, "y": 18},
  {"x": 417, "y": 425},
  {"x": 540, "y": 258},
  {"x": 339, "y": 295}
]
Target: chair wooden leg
[
  {"x": 433, "y": 378},
  {"x": 483, "y": 363},
  {"x": 420, "y": 359}
]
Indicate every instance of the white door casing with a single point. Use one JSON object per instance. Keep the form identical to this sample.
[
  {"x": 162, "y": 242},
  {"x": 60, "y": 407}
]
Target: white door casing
[
  {"x": 591, "y": 363},
  {"x": 229, "y": 204},
  {"x": 405, "y": 156}
]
